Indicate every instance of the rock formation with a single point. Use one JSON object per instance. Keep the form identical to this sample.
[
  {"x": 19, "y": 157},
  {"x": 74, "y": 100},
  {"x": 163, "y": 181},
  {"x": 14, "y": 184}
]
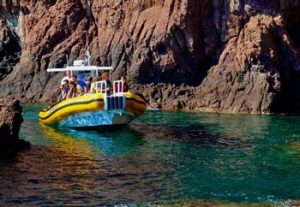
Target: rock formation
[
  {"x": 10, "y": 123},
  {"x": 222, "y": 55},
  {"x": 10, "y": 49}
]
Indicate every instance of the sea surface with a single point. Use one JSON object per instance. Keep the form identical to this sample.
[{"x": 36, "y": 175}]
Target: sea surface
[{"x": 162, "y": 158}]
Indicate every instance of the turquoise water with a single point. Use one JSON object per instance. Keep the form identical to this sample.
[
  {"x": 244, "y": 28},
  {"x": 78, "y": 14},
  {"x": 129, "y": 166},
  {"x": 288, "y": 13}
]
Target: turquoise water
[{"x": 161, "y": 158}]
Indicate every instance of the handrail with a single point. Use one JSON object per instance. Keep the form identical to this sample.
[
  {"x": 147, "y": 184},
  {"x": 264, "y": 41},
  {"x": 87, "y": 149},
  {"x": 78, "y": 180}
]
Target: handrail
[
  {"x": 117, "y": 100},
  {"x": 118, "y": 87},
  {"x": 103, "y": 87}
]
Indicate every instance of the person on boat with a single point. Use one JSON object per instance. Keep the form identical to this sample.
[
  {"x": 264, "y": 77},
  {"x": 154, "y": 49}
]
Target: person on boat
[
  {"x": 105, "y": 77},
  {"x": 125, "y": 83},
  {"x": 89, "y": 85},
  {"x": 64, "y": 89},
  {"x": 94, "y": 85},
  {"x": 73, "y": 90},
  {"x": 67, "y": 77},
  {"x": 79, "y": 89},
  {"x": 81, "y": 82},
  {"x": 121, "y": 87}
]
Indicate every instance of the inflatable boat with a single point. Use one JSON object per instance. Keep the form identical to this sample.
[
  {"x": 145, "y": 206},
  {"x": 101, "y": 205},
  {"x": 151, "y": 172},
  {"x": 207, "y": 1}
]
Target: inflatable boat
[{"x": 95, "y": 109}]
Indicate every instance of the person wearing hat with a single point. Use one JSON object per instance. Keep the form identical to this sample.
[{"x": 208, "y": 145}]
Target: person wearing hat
[{"x": 64, "y": 89}]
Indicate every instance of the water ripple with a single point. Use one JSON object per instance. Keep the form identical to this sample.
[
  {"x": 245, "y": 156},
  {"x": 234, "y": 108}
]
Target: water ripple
[{"x": 161, "y": 158}]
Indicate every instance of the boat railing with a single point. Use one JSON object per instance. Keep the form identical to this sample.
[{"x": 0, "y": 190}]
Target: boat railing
[
  {"x": 101, "y": 87},
  {"x": 115, "y": 100},
  {"x": 118, "y": 88}
]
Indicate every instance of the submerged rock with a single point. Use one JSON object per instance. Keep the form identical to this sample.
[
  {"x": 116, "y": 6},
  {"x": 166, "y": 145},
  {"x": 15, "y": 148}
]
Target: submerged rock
[{"x": 10, "y": 123}]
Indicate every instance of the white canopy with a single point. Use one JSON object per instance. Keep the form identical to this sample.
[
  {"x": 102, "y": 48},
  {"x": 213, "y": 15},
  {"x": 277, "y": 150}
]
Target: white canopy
[{"x": 79, "y": 68}]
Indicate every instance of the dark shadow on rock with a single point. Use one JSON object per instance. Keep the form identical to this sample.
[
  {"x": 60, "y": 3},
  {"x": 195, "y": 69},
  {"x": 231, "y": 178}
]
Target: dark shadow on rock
[
  {"x": 10, "y": 123},
  {"x": 10, "y": 48}
]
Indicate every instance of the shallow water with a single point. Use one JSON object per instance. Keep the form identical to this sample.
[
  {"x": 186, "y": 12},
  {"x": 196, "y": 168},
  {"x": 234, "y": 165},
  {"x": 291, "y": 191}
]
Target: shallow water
[{"x": 161, "y": 158}]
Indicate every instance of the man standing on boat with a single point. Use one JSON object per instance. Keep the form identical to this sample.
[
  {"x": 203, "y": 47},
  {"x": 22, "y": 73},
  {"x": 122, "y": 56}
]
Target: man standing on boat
[
  {"x": 105, "y": 77},
  {"x": 67, "y": 77}
]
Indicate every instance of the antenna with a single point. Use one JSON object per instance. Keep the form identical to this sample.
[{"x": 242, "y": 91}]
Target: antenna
[
  {"x": 67, "y": 57},
  {"x": 88, "y": 58}
]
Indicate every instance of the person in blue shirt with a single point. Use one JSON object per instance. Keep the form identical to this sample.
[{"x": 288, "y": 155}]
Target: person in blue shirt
[{"x": 81, "y": 82}]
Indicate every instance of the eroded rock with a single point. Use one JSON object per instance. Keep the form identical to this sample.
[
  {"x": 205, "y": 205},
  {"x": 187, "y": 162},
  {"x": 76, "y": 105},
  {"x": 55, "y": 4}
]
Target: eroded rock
[
  {"x": 10, "y": 123},
  {"x": 10, "y": 48}
]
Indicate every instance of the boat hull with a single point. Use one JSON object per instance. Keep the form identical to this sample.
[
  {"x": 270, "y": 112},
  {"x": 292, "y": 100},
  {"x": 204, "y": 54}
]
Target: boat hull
[
  {"x": 97, "y": 118},
  {"x": 93, "y": 110}
]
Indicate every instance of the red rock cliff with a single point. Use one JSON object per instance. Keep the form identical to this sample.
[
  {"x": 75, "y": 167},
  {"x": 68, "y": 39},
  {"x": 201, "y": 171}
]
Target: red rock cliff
[{"x": 231, "y": 55}]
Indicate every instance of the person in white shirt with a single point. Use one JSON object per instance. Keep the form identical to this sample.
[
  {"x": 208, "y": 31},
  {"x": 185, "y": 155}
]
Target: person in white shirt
[{"x": 67, "y": 77}]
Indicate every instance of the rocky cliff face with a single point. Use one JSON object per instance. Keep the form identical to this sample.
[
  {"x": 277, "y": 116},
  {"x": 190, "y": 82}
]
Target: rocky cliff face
[
  {"x": 10, "y": 123},
  {"x": 10, "y": 48},
  {"x": 223, "y": 55}
]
